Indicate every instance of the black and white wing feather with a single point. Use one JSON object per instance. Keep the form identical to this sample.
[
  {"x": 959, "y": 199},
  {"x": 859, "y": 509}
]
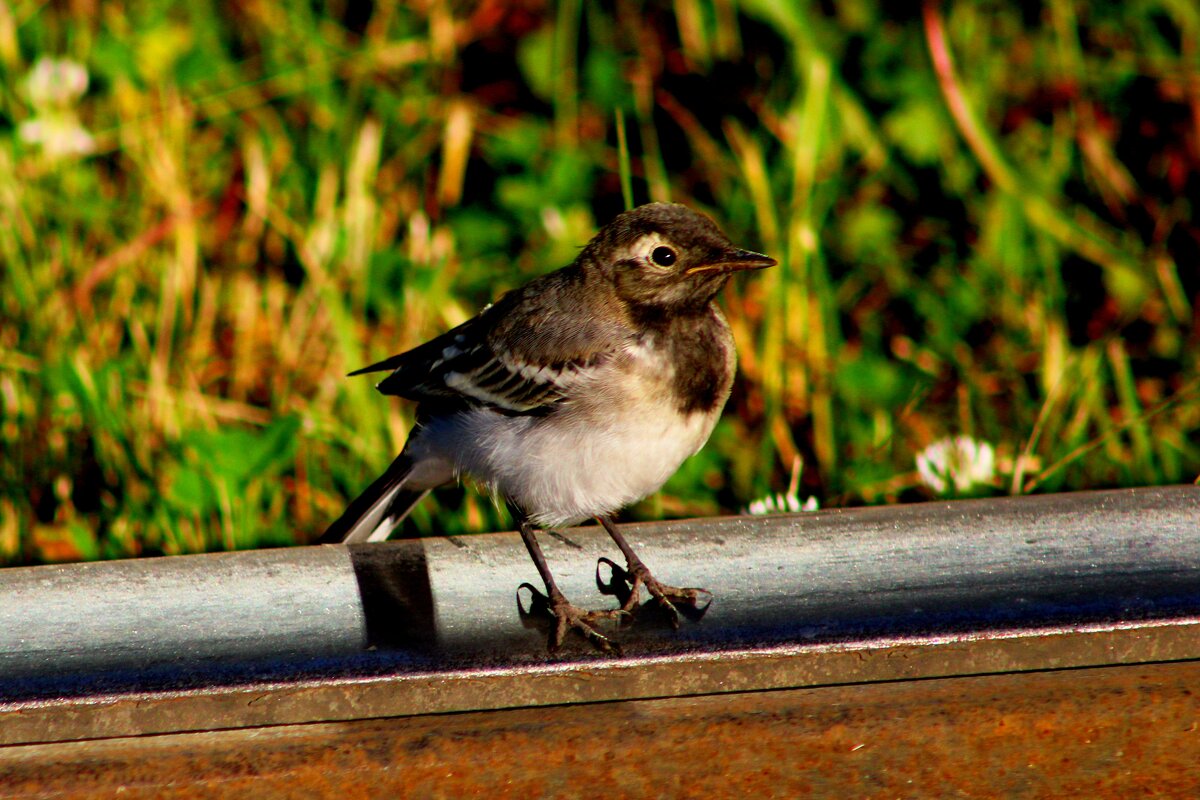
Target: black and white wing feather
[{"x": 488, "y": 360}]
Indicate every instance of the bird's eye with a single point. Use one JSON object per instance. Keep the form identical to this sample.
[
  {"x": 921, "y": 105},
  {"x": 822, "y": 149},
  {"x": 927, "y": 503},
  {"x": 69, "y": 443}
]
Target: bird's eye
[{"x": 663, "y": 256}]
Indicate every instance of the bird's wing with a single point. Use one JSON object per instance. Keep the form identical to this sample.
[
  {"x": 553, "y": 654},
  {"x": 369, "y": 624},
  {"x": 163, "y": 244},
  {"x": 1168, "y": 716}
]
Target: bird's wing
[{"x": 494, "y": 360}]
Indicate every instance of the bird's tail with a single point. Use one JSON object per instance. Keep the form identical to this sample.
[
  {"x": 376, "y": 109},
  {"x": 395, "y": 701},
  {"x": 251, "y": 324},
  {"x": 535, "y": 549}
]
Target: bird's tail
[{"x": 374, "y": 514}]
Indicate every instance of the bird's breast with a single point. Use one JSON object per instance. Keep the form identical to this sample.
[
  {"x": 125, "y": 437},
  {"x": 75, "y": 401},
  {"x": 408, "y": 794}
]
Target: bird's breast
[
  {"x": 693, "y": 358},
  {"x": 597, "y": 453},
  {"x": 623, "y": 429},
  {"x": 590, "y": 460}
]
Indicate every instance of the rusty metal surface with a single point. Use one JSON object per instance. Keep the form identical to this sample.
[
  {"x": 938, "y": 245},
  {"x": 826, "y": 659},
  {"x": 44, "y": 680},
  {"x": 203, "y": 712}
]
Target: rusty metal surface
[
  {"x": 1098, "y": 733},
  {"x": 594, "y": 680},
  {"x": 861, "y": 595}
]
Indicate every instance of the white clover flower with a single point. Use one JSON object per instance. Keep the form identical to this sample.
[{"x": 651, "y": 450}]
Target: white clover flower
[
  {"x": 959, "y": 463},
  {"x": 781, "y": 504},
  {"x": 54, "y": 87},
  {"x": 56, "y": 83},
  {"x": 59, "y": 135},
  {"x": 784, "y": 502}
]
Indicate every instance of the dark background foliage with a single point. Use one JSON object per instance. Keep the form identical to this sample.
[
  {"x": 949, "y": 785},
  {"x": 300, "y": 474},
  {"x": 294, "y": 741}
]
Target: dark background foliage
[{"x": 984, "y": 213}]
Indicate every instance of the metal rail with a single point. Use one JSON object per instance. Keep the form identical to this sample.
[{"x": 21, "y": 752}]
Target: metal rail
[
  {"x": 832, "y": 598},
  {"x": 1119, "y": 733}
]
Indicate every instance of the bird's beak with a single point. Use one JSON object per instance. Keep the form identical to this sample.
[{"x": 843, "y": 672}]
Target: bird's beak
[{"x": 735, "y": 261}]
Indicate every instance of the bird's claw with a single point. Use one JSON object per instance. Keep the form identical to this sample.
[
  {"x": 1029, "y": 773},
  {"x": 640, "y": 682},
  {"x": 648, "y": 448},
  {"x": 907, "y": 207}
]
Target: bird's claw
[
  {"x": 626, "y": 583},
  {"x": 568, "y": 616}
]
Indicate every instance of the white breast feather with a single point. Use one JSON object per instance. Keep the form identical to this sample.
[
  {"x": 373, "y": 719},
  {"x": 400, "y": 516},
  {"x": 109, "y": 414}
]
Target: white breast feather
[{"x": 610, "y": 445}]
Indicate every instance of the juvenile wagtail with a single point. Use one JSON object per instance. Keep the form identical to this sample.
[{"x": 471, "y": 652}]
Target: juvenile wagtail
[{"x": 573, "y": 396}]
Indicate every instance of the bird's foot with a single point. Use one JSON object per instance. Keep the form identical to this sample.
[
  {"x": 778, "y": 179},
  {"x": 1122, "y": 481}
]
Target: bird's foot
[
  {"x": 694, "y": 601},
  {"x": 568, "y": 617}
]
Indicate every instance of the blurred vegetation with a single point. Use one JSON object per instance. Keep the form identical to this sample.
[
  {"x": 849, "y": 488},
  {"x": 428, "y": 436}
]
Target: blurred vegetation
[{"x": 985, "y": 212}]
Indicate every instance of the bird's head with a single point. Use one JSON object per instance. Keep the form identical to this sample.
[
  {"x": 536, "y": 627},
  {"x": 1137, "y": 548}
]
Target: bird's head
[{"x": 667, "y": 256}]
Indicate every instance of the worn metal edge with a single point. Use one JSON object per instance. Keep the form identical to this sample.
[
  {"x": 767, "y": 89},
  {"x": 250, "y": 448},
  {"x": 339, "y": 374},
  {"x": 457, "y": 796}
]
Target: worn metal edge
[
  {"x": 592, "y": 680},
  {"x": 1102, "y": 732}
]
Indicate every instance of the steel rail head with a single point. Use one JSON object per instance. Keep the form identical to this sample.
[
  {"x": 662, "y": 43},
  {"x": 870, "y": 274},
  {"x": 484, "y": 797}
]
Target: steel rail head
[{"x": 834, "y": 582}]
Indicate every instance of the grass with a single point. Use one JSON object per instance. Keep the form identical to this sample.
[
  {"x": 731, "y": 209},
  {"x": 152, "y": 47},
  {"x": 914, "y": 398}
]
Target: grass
[{"x": 985, "y": 215}]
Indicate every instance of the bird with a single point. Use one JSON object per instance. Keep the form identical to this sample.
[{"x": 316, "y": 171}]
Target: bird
[{"x": 572, "y": 396}]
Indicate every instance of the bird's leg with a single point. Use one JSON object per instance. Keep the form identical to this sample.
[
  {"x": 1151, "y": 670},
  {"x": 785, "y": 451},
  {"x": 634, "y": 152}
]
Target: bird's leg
[
  {"x": 639, "y": 575},
  {"x": 566, "y": 615}
]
